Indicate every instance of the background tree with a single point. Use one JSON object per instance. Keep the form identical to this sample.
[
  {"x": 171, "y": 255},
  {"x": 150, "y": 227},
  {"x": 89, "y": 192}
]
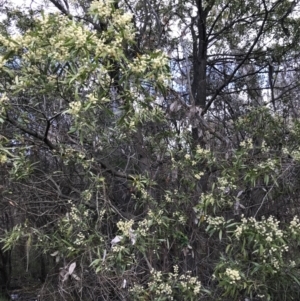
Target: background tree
[{"x": 130, "y": 174}]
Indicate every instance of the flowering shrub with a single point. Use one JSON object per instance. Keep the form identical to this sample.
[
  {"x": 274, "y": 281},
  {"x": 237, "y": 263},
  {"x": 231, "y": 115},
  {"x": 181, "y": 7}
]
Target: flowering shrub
[
  {"x": 170, "y": 286},
  {"x": 257, "y": 254},
  {"x": 121, "y": 189}
]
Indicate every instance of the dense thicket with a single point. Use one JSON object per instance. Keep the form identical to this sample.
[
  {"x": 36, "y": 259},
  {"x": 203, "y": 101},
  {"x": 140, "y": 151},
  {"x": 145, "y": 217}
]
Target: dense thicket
[{"x": 149, "y": 150}]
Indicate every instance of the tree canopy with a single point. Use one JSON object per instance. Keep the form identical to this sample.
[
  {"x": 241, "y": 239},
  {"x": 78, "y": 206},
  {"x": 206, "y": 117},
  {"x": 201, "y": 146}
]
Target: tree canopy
[{"x": 149, "y": 150}]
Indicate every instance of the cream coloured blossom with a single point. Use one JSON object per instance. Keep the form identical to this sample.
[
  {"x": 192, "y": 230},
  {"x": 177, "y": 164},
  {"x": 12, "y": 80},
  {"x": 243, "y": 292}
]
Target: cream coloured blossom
[
  {"x": 216, "y": 222},
  {"x": 117, "y": 248},
  {"x": 247, "y": 144},
  {"x": 102, "y": 8},
  {"x": 143, "y": 227},
  {"x": 91, "y": 97},
  {"x": 233, "y": 275},
  {"x": 75, "y": 108},
  {"x": 3, "y": 159},
  {"x": 122, "y": 19},
  {"x": 80, "y": 238},
  {"x": 125, "y": 227},
  {"x": 295, "y": 225}
]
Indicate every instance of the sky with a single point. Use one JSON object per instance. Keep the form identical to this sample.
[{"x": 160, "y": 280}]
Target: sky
[
  {"x": 32, "y": 3},
  {"x": 27, "y": 3}
]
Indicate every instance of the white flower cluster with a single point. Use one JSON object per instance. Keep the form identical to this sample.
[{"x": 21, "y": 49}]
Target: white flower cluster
[
  {"x": 115, "y": 18},
  {"x": 102, "y": 212},
  {"x": 122, "y": 19},
  {"x": 260, "y": 296},
  {"x": 179, "y": 217},
  {"x": 176, "y": 271},
  {"x": 164, "y": 289},
  {"x": 168, "y": 198},
  {"x": 189, "y": 282},
  {"x": 268, "y": 235},
  {"x": 264, "y": 147},
  {"x": 202, "y": 152},
  {"x": 79, "y": 239},
  {"x": 125, "y": 227},
  {"x": 92, "y": 99},
  {"x": 199, "y": 175},
  {"x": 270, "y": 164},
  {"x": 75, "y": 108},
  {"x": 140, "y": 64},
  {"x": 292, "y": 263},
  {"x": 269, "y": 228},
  {"x": 168, "y": 284},
  {"x": 161, "y": 287},
  {"x": 216, "y": 222},
  {"x": 160, "y": 61},
  {"x": 3, "y": 158},
  {"x": 137, "y": 289},
  {"x": 56, "y": 37},
  {"x": 74, "y": 214},
  {"x": 187, "y": 156},
  {"x": 117, "y": 248},
  {"x": 295, "y": 225},
  {"x": 64, "y": 34},
  {"x": 80, "y": 35},
  {"x": 86, "y": 195},
  {"x": 207, "y": 199},
  {"x": 296, "y": 154},
  {"x": 144, "y": 194},
  {"x": 13, "y": 46},
  {"x": 157, "y": 217},
  {"x": 102, "y": 8},
  {"x": 247, "y": 144},
  {"x": 275, "y": 263},
  {"x": 143, "y": 227},
  {"x": 164, "y": 285},
  {"x": 233, "y": 275},
  {"x": 144, "y": 62},
  {"x": 225, "y": 185}
]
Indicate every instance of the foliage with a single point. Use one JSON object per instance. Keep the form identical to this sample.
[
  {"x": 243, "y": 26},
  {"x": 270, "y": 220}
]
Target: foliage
[{"x": 147, "y": 157}]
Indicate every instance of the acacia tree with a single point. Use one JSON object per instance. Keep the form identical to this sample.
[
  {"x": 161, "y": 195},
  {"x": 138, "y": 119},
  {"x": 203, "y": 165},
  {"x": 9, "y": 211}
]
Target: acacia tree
[{"x": 141, "y": 178}]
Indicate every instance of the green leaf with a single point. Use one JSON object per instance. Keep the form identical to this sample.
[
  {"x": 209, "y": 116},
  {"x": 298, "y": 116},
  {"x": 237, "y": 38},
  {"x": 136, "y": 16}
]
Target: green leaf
[
  {"x": 72, "y": 130},
  {"x": 228, "y": 248},
  {"x": 294, "y": 278},
  {"x": 266, "y": 179}
]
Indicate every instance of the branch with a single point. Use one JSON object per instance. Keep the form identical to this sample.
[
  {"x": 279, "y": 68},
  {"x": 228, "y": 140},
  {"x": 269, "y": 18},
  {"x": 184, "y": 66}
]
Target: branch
[
  {"x": 113, "y": 172},
  {"x": 58, "y": 5},
  {"x": 44, "y": 139},
  {"x": 238, "y": 66},
  {"x": 31, "y": 133}
]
